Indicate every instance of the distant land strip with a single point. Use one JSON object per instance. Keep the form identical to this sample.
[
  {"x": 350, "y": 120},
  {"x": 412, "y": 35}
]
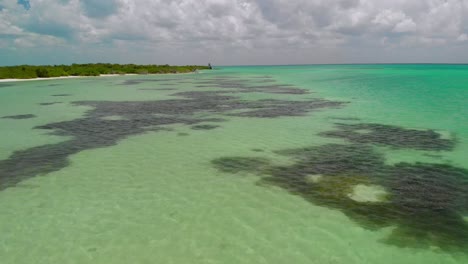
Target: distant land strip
[{"x": 96, "y": 69}]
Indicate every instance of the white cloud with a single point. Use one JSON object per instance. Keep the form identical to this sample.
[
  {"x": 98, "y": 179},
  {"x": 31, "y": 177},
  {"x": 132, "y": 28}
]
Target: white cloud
[
  {"x": 406, "y": 25},
  {"x": 388, "y": 18},
  {"x": 6, "y": 28},
  {"x": 312, "y": 27},
  {"x": 36, "y": 40},
  {"x": 462, "y": 37}
]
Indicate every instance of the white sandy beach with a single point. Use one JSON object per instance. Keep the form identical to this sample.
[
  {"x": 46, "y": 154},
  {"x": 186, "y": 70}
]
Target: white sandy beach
[
  {"x": 39, "y": 79},
  {"x": 60, "y": 78},
  {"x": 72, "y": 77}
]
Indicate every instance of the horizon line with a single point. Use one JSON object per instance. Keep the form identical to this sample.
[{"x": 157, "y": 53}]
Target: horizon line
[
  {"x": 256, "y": 65},
  {"x": 370, "y": 63}
]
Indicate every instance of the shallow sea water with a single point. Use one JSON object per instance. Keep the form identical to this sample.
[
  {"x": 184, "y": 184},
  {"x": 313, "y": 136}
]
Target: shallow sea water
[{"x": 297, "y": 164}]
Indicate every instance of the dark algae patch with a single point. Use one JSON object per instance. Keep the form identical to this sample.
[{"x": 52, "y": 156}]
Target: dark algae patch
[
  {"x": 163, "y": 80},
  {"x": 131, "y": 82},
  {"x": 157, "y": 89},
  {"x": 139, "y": 81},
  {"x": 253, "y": 85},
  {"x": 423, "y": 203},
  {"x": 428, "y": 187},
  {"x": 331, "y": 159},
  {"x": 28, "y": 116},
  {"x": 257, "y": 150},
  {"x": 240, "y": 164},
  {"x": 204, "y": 127},
  {"x": 345, "y": 118},
  {"x": 392, "y": 136},
  {"x": 61, "y": 95},
  {"x": 5, "y": 85},
  {"x": 271, "y": 108},
  {"x": 50, "y": 103},
  {"x": 229, "y": 84},
  {"x": 99, "y": 129},
  {"x": 276, "y": 89},
  {"x": 267, "y": 108},
  {"x": 432, "y": 199}
]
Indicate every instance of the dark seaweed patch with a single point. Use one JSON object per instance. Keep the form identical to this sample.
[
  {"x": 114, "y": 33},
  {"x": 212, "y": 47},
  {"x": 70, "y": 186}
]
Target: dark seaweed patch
[
  {"x": 181, "y": 134},
  {"x": 157, "y": 89},
  {"x": 138, "y": 81},
  {"x": 265, "y": 80},
  {"x": 257, "y": 150},
  {"x": 443, "y": 231},
  {"x": 28, "y": 116},
  {"x": 393, "y": 136},
  {"x": 261, "y": 85},
  {"x": 345, "y": 118},
  {"x": 204, "y": 127},
  {"x": 206, "y": 95},
  {"x": 277, "y": 108},
  {"x": 88, "y": 133},
  {"x": 261, "y": 108},
  {"x": 222, "y": 77},
  {"x": 36, "y": 161},
  {"x": 425, "y": 202},
  {"x": 428, "y": 187},
  {"x": 435, "y": 156},
  {"x": 276, "y": 89},
  {"x": 230, "y": 85},
  {"x": 96, "y": 130},
  {"x": 61, "y": 95},
  {"x": 240, "y": 164},
  {"x": 51, "y": 103},
  {"x": 5, "y": 85},
  {"x": 332, "y": 159},
  {"x": 428, "y": 201},
  {"x": 131, "y": 82},
  {"x": 262, "y": 77}
]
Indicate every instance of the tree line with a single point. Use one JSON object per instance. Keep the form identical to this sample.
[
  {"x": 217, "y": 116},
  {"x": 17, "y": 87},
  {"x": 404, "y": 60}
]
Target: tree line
[{"x": 96, "y": 69}]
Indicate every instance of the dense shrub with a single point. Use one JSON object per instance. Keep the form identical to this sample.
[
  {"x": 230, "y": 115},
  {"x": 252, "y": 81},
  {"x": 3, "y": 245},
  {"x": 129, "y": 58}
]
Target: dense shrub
[{"x": 29, "y": 71}]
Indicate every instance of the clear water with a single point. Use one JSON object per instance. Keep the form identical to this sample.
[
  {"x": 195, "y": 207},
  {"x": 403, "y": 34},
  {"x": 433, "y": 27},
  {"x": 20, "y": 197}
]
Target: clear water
[{"x": 348, "y": 164}]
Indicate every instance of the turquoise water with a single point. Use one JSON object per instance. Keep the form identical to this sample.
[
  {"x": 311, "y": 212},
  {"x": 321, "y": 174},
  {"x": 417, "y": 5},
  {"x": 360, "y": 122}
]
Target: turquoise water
[{"x": 300, "y": 164}]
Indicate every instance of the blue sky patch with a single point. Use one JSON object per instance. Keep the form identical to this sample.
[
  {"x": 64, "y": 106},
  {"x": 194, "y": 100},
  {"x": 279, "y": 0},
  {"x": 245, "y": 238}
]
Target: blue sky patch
[
  {"x": 25, "y": 4},
  {"x": 50, "y": 28},
  {"x": 99, "y": 8}
]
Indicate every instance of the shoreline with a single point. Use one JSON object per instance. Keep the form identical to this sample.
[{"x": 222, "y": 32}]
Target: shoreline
[
  {"x": 74, "y": 77},
  {"x": 41, "y": 79}
]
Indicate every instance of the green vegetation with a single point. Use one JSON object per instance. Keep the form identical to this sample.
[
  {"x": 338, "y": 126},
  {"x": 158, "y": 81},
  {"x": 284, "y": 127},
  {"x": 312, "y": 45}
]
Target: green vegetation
[{"x": 46, "y": 71}]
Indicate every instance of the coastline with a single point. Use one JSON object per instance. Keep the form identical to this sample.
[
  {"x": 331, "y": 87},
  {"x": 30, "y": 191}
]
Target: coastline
[
  {"x": 73, "y": 77},
  {"x": 40, "y": 79}
]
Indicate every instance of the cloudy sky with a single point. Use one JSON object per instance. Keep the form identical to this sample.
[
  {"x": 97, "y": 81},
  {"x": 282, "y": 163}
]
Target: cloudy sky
[{"x": 233, "y": 32}]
